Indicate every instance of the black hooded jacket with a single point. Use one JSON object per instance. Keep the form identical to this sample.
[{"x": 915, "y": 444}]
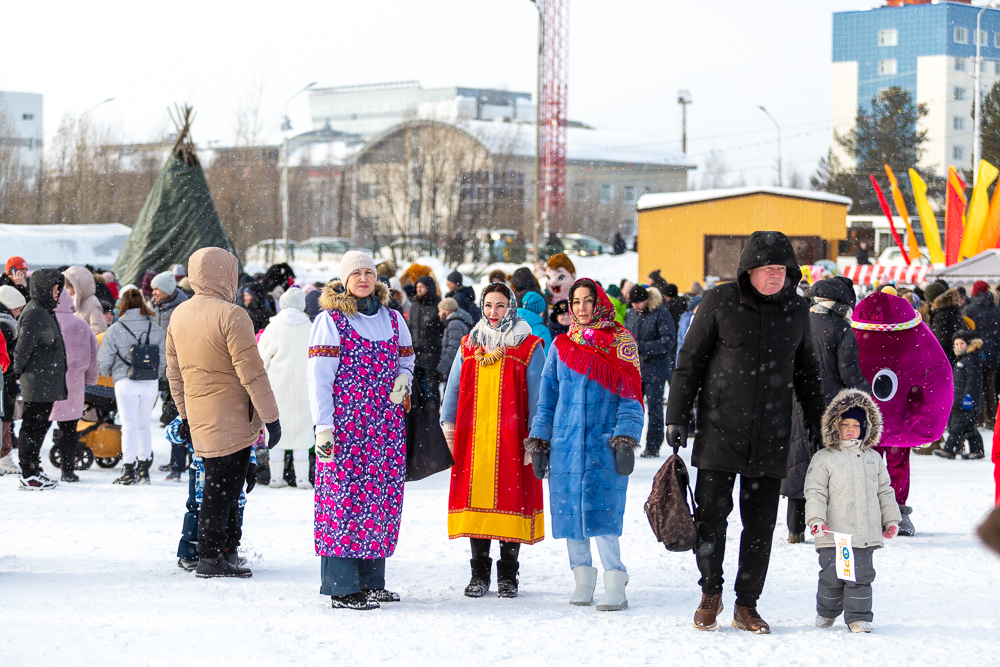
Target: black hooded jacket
[
  {"x": 834, "y": 342},
  {"x": 40, "y": 353},
  {"x": 466, "y": 299},
  {"x": 259, "y": 309},
  {"x": 746, "y": 353},
  {"x": 426, "y": 327},
  {"x": 8, "y": 327},
  {"x": 984, "y": 312}
]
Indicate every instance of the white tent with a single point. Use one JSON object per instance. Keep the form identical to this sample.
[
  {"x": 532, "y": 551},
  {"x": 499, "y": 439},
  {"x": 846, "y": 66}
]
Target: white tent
[
  {"x": 984, "y": 266},
  {"x": 48, "y": 246}
]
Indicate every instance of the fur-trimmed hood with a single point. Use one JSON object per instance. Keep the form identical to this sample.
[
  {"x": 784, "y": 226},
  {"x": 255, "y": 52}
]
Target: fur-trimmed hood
[
  {"x": 950, "y": 297},
  {"x": 655, "y": 299},
  {"x": 844, "y": 401},
  {"x": 335, "y": 297},
  {"x": 974, "y": 345}
]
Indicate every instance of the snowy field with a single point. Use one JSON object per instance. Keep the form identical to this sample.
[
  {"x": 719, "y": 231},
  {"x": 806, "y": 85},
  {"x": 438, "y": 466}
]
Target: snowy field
[{"x": 88, "y": 576}]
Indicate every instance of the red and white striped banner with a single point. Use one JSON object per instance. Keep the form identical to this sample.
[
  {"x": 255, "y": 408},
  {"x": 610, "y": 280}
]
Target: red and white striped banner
[{"x": 868, "y": 274}]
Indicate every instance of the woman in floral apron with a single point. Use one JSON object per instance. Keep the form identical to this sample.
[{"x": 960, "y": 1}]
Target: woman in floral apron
[{"x": 360, "y": 368}]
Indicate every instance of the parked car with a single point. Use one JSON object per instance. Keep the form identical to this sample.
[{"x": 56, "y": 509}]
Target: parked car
[
  {"x": 270, "y": 251},
  {"x": 893, "y": 257},
  {"x": 322, "y": 247},
  {"x": 584, "y": 246}
]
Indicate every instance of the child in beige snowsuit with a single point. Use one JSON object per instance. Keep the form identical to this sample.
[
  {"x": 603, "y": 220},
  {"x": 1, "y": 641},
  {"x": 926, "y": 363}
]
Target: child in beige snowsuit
[{"x": 847, "y": 491}]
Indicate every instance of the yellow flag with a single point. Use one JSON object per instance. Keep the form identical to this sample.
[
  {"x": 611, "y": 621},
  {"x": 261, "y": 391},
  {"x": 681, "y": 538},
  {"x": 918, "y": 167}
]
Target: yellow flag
[
  {"x": 913, "y": 248},
  {"x": 932, "y": 236},
  {"x": 991, "y": 234},
  {"x": 979, "y": 208}
]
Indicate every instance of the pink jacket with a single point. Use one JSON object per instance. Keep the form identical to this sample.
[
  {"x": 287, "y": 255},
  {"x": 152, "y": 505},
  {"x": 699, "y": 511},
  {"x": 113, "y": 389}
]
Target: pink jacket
[{"x": 81, "y": 359}]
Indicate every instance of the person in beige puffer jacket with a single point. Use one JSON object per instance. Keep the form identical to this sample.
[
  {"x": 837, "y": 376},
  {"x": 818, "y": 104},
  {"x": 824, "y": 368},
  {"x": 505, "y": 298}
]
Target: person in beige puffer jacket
[
  {"x": 82, "y": 287},
  {"x": 224, "y": 398},
  {"x": 847, "y": 490}
]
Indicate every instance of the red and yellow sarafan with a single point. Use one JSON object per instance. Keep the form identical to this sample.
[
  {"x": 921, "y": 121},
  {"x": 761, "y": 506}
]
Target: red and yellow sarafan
[{"x": 494, "y": 495}]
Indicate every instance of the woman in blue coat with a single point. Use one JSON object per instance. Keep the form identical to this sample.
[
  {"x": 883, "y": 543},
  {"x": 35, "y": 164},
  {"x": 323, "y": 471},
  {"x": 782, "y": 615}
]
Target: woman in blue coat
[
  {"x": 585, "y": 432},
  {"x": 531, "y": 310}
]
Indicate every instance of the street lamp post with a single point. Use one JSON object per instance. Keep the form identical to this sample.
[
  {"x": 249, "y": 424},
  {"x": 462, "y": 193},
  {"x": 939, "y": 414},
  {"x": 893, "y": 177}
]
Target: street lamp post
[
  {"x": 536, "y": 222},
  {"x": 779, "y": 142},
  {"x": 85, "y": 209},
  {"x": 977, "y": 148},
  {"x": 286, "y": 126}
]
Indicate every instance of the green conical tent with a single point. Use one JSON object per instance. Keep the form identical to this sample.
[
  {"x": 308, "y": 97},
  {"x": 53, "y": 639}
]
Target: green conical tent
[{"x": 178, "y": 218}]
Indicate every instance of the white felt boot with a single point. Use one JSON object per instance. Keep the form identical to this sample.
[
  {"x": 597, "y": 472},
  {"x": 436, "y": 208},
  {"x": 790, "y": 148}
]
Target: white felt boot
[
  {"x": 614, "y": 591},
  {"x": 302, "y": 473},
  {"x": 586, "y": 581}
]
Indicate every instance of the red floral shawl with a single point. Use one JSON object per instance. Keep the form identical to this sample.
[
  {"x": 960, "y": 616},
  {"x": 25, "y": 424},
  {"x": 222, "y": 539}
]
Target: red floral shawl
[{"x": 603, "y": 350}]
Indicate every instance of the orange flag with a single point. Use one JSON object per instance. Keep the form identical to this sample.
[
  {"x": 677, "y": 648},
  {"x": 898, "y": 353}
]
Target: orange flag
[
  {"x": 897, "y": 199},
  {"x": 954, "y": 217},
  {"x": 991, "y": 234}
]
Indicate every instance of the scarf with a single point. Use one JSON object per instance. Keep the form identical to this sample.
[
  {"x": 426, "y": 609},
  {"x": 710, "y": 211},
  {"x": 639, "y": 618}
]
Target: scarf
[
  {"x": 603, "y": 350},
  {"x": 834, "y": 308},
  {"x": 491, "y": 341},
  {"x": 368, "y": 305}
]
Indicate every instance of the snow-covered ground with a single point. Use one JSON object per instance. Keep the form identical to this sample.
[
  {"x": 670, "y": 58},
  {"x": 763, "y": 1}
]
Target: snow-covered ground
[{"x": 88, "y": 576}]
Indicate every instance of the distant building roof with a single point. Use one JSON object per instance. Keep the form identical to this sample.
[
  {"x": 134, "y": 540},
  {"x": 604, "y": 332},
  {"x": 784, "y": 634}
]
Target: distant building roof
[{"x": 665, "y": 199}]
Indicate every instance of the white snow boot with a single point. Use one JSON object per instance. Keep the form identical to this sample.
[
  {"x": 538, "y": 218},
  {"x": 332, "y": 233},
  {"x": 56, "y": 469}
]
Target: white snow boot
[
  {"x": 614, "y": 591},
  {"x": 586, "y": 582},
  {"x": 8, "y": 465},
  {"x": 302, "y": 474},
  {"x": 861, "y": 626},
  {"x": 277, "y": 464},
  {"x": 824, "y": 622}
]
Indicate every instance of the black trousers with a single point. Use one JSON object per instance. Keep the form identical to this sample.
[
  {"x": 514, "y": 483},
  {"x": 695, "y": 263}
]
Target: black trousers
[
  {"x": 481, "y": 549},
  {"x": 219, "y": 519},
  {"x": 654, "y": 377},
  {"x": 988, "y": 412},
  {"x": 795, "y": 518},
  {"x": 34, "y": 426},
  {"x": 758, "y": 512},
  {"x": 962, "y": 427},
  {"x": 66, "y": 439}
]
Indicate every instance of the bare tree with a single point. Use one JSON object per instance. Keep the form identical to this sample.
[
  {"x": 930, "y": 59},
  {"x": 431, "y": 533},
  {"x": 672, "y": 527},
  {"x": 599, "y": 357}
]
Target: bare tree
[{"x": 716, "y": 171}]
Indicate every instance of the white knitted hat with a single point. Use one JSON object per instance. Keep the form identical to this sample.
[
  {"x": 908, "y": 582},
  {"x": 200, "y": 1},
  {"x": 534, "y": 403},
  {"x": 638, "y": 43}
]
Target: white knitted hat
[
  {"x": 352, "y": 261},
  {"x": 11, "y": 297},
  {"x": 293, "y": 298}
]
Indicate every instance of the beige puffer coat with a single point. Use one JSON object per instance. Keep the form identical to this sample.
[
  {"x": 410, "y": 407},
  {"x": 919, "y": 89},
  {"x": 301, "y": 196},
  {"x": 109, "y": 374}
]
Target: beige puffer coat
[
  {"x": 847, "y": 484},
  {"x": 216, "y": 375},
  {"x": 86, "y": 303}
]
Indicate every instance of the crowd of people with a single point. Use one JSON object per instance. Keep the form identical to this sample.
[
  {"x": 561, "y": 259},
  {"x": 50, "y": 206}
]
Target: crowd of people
[{"x": 525, "y": 383}]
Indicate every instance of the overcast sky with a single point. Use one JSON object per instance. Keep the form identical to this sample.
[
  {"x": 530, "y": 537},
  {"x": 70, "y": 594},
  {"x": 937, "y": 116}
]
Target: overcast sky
[{"x": 627, "y": 60}]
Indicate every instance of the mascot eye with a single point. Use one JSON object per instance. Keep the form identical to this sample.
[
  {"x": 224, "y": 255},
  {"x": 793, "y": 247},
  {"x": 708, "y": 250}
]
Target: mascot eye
[{"x": 884, "y": 385}]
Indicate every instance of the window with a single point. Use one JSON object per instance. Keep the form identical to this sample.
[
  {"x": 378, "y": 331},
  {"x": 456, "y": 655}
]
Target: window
[
  {"x": 961, "y": 36},
  {"x": 996, "y": 40},
  {"x": 983, "y": 38},
  {"x": 956, "y": 152},
  {"x": 580, "y": 192},
  {"x": 958, "y": 94},
  {"x": 996, "y": 67},
  {"x": 959, "y": 64},
  {"x": 605, "y": 194},
  {"x": 27, "y": 116},
  {"x": 629, "y": 194},
  {"x": 958, "y": 123},
  {"x": 888, "y": 37},
  {"x": 887, "y": 67}
]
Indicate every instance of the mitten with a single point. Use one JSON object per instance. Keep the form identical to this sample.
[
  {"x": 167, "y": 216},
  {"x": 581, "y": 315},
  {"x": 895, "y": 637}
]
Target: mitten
[
  {"x": 815, "y": 438},
  {"x": 539, "y": 451},
  {"x": 967, "y": 402},
  {"x": 251, "y": 477},
  {"x": 184, "y": 431},
  {"x": 324, "y": 447},
  {"x": 819, "y": 529},
  {"x": 273, "y": 433},
  {"x": 890, "y": 532},
  {"x": 400, "y": 388},
  {"x": 624, "y": 447},
  {"x": 449, "y": 435}
]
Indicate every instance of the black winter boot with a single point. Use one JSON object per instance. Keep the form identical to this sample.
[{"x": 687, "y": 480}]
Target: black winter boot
[
  {"x": 481, "y": 570},
  {"x": 128, "y": 477},
  {"x": 68, "y": 446},
  {"x": 507, "y": 578},
  {"x": 234, "y": 557},
  {"x": 210, "y": 568},
  {"x": 357, "y": 601},
  {"x": 142, "y": 471}
]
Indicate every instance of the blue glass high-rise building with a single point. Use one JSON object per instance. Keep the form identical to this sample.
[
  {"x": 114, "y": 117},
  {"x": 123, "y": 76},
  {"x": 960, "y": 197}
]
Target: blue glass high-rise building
[{"x": 927, "y": 49}]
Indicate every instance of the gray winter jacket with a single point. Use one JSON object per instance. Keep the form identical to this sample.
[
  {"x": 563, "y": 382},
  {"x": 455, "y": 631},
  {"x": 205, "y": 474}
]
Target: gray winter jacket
[
  {"x": 112, "y": 360},
  {"x": 166, "y": 308},
  {"x": 847, "y": 484},
  {"x": 456, "y": 327}
]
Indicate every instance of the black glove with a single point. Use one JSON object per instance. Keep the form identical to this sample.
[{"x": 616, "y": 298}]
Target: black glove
[
  {"x": 251, "y": 477},
  {"x": 273, "y": 433},
  {"x": 540, "y": 464},
  {"x": 184, "y": 431},
  {"x": 815, "y": 438},
  {"x": 624, "y": 460},
  {"x": 677, "y": 436}
]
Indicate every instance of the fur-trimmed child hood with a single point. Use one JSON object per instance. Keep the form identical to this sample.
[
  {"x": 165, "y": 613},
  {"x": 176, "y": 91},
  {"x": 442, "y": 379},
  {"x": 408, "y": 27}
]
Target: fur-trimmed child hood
[
  {"x": 844, "y": 401},
  {"x": 335, "y": 297}
]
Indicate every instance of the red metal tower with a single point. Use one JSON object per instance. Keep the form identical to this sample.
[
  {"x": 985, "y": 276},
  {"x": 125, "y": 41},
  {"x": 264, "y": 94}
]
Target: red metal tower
[{"x": 555, "y": 61}]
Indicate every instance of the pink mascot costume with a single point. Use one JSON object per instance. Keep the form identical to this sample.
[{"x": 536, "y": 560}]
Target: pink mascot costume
[{"x": 911, "y": 383}]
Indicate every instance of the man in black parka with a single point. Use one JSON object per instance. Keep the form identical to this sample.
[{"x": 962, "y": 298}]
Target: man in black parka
[
  {"x": 747, "y": 351},
  {"x": 40, "y": 362}
]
